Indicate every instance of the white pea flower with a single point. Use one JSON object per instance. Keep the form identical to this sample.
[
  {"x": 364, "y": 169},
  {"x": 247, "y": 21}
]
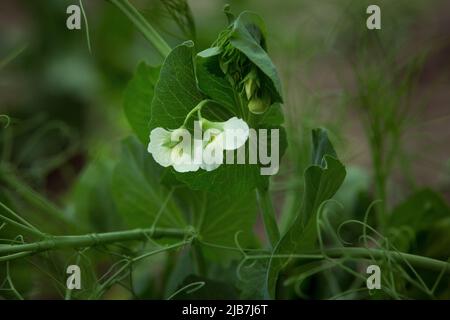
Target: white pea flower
[
  {"x": 173, "y": 148},
  {"x": 220, "y": 136}
]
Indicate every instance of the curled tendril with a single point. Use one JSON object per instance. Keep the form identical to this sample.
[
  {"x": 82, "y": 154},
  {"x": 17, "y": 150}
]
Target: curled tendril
[
  {"x": 7, "y": 120},
  {"x": 189, "y": 288}
]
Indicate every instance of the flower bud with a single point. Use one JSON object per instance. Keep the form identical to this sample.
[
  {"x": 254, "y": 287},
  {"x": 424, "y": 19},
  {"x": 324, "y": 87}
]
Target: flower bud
[
  {"x": 250, "y": 84},
  {"x": 259, "y": 105}
]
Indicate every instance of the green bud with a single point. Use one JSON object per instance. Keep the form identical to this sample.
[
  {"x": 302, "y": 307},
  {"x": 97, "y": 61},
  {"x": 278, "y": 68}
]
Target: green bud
[
  {"x": 259, "y": 105},
  {"x": 251, "y": 83}
]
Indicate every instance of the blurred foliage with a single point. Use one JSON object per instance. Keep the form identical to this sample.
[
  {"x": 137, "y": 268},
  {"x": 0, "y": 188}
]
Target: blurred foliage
[{"x": 67, "y": 166}]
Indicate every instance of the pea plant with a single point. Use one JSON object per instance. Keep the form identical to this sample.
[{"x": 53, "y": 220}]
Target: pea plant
[{"x": 190, "y": 186}]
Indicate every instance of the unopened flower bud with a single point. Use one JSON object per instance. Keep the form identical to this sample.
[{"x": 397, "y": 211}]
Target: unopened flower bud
[{"x": 259, "y": 105}]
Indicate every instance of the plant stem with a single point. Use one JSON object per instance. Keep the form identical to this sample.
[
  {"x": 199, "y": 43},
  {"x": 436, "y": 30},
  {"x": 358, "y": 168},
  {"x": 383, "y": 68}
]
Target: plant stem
[
  {"x": 198, "y": 107},
  {"x": 268, "y": 214},
  {"x": 414, "y": 260},
  {"x": 35, "y": 199},
  {"x": 364, "y": 254},
  {"x": 143, "y": 26},
  {"x": 80, "y": 241}
]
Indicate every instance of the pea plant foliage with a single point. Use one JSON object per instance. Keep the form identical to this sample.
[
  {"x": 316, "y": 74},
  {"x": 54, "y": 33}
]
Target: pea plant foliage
[{"x": 192, "y": 180}]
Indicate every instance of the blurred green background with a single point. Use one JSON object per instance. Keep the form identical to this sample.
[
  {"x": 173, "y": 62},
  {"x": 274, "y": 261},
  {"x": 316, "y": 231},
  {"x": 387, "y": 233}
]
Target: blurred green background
[{"x": 383, "y": 95}]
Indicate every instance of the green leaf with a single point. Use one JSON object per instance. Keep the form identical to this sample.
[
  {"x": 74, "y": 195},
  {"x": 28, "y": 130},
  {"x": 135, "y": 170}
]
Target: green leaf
[
  {"x": 138, "y": 98},
  {"x": 321, "y": 146},
  {"x": 253, "y": 279},
  {"x": 221, "y": 218},
  {"x": 212, "y": 82},
  {"x": 176, "y": 92},
  {"x": 93, "y": 204},
  {"x": 420, "y": 210},
  {"x": 248, "y": 36},
  {"x": 232, "y": 178},
  {"x": 137, "y": 190},
  {"x": 272, "y": 117},
  {"x": 425, "y": 217},
  {"x": 321, "y": 183}
]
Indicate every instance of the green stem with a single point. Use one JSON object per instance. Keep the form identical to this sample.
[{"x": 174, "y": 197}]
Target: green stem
[
  {"x": 414, "y": 260},
  {"x": 21, "y": 227},
  {"x": 199, "y": 259},
  {"x": 34, "y": 198},
  {"x": 364, "y": 254},
  {"x": 268, "y": 214},
  {"x": 24, "y": 223},
  {"x": 198, "y": 107},
  {"x": 143, "y": 26},
  {"x": 81, "y": 241}
]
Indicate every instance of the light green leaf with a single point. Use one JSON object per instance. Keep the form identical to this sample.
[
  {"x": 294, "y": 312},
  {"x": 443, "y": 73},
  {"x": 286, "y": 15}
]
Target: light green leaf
[{"x": 138, "y": 98}]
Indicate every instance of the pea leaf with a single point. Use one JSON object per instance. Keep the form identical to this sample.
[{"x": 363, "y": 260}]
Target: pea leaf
[
  {"x": 248, "y": 36},
  {"x": 138, "y": 193},
  {"x": 176, "y": 92},
  {"x": 420, "y": 210},
  {"x": 138, "y": 98},
  {"x": 222, "y": 217},
  {"x": 321, "y": 183},
  {"x": 93, "y": 204},
  {"x": 423, "y": 214},
  {"x": 212, "y": 82},
  {"x": 253, "y": 279}
]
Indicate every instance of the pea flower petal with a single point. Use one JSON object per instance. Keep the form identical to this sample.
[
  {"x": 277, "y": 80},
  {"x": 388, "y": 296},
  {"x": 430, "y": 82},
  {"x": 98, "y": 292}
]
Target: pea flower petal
[{"x": 159, "y": 146}]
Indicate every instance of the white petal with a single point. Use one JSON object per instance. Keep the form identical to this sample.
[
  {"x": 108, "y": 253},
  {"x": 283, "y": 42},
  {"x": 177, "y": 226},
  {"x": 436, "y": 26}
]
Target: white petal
[
  {"x": 158, "y": 136},
  {"x": 182, "y": 161},
  {"x": 213, "y": 154},
  {"x": 236, "y": 133},
  {"x": 160, "y": 152},
  {"x": 162, "y": 156},
  {"x": 210, "y": 167},
  {"x": 186, "y": 167}
]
